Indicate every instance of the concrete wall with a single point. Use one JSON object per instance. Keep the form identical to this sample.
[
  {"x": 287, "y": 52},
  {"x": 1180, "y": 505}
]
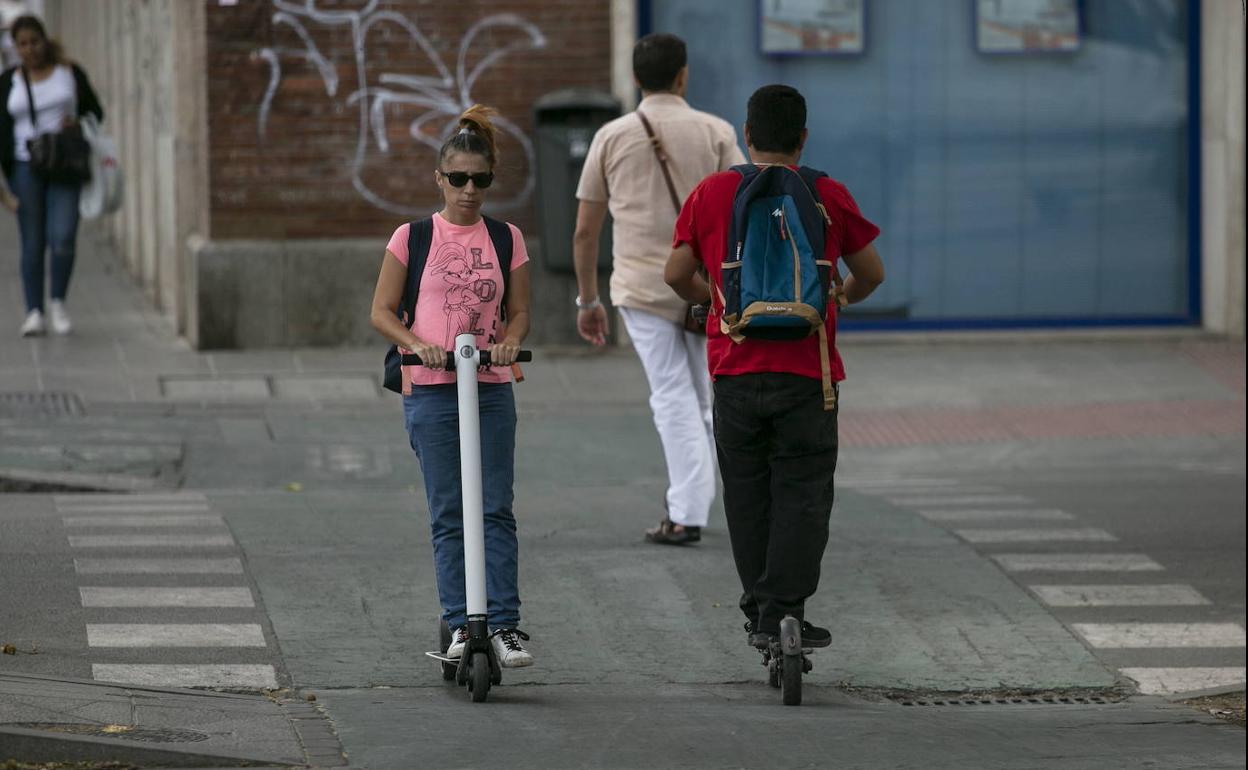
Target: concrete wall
[
  {"x": 270, "y": 148},
  {"x": 1222, "y": 173}
]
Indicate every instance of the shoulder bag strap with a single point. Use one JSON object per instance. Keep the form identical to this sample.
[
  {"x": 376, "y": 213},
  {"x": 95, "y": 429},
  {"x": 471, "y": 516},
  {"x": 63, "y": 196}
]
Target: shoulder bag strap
[
  {"x": 30, "y": 99},
  {"x": 662, "y": 156}
]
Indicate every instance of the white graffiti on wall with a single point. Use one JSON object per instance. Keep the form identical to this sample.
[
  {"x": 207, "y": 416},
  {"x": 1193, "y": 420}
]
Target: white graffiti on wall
[{"x": 443, "y": 96}]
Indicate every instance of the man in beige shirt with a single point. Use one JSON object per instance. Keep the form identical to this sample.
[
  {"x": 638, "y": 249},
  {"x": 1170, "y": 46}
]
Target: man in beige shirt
[{"x": 623, "y": 175}]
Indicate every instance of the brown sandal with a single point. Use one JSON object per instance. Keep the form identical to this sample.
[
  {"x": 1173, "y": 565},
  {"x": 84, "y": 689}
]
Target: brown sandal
[{"x": 668, "y": 534}]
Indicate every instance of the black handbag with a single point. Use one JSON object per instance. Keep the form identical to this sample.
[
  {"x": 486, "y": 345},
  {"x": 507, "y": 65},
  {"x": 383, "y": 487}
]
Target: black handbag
[{"x": 63, "y": 156}]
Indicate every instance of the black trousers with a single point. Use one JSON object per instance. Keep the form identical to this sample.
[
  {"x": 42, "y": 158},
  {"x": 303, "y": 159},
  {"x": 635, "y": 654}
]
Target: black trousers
[{"x": 777, "y": 455}]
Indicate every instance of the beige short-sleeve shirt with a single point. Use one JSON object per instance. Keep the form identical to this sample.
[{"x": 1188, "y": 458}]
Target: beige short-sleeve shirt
[{"x": 622, "y": 171}]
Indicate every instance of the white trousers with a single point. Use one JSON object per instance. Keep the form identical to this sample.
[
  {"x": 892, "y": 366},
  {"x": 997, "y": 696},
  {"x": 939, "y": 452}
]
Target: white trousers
[{"x": 680, "y": 398}]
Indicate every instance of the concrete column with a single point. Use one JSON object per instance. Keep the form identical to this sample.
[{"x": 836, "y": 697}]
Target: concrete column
[
  {"x": 146, "y": 59},
  {"x": 623, "y": 35},
  {"x": 1222, "y": 167},
  {"x": 190, "y": 153}
]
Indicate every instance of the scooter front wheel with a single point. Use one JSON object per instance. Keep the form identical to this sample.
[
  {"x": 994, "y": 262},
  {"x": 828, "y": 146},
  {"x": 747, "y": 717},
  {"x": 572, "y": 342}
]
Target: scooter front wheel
[
  {"x": 791, "y": 663},
  {"x": 479, "y": 683}
]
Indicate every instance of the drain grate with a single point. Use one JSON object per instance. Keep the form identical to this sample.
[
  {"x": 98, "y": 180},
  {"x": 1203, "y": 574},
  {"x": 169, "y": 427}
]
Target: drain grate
[
  {"x": 1003, "y": 696},
  {"x": 40, "y": 404},
  {"x": 1020, "y": 701},
  {"x": 122, "y": 732}
]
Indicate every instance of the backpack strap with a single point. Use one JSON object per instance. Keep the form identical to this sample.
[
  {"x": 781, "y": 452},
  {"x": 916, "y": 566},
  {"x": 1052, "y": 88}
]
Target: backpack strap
[
  {"x": 500, "y": 236},
  {"x": 836, "y": 291},
  {"x": 504, "y": 245},
  {"x": 837, "y": 288},
  {"x": 419, "y": 240}
]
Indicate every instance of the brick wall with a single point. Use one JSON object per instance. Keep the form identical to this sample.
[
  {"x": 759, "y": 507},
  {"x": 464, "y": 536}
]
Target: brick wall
[{"x": 295, "y": 97}]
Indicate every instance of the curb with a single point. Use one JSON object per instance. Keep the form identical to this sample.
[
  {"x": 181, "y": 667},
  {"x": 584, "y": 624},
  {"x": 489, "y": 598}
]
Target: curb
[
  {"x": 40, "y": 746},
  {"x": 72, "y": 481}
]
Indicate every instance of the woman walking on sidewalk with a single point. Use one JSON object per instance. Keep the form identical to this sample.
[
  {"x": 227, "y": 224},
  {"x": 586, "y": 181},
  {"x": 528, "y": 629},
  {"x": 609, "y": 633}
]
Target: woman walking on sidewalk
[
  {"x": 462, "y": 288},
  {"x": 47, "y": 210}
]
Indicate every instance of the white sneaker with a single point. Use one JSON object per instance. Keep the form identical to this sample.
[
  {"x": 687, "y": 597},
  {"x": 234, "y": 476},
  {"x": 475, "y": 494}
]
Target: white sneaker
[
  {"x": 33, "y": 325},
  {"x": 508, "y": 650},
  {"x": 459, "y": 637},
  {"x": 60, "y": 319}
]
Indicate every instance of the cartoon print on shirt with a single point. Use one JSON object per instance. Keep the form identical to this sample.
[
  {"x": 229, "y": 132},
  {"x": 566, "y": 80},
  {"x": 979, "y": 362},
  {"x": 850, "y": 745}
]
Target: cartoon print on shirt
[{"x": 467, "y": 288}]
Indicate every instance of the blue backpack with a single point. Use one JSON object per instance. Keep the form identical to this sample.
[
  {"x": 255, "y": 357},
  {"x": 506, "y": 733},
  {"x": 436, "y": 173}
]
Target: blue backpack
[{"x": 776, "y": 283}]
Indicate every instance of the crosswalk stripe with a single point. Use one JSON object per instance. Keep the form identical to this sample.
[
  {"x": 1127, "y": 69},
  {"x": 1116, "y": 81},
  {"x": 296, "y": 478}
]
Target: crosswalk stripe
[
  {"x": 996, "y": 514},
  {"x": 231, "y": 566},
  {"x": 1170, "y": 681},
  {"x": 1076, "y": 562},
  {"x": 146, "y": 596},
  {"x": 186, "y": 675},
  {"x": 150, "y": 520},
  {"x": 912, "y": 500},
  {"x": 137, "y": 508},
  {"x": 1150, "y": 635},
  {"x": 151, "y": 497},
  {"x": 150, "y": 541},
  {"x": 1165, "y": 595},
  {"x": 174, "y": 635},
  {"x": 1077, "y": 534}
]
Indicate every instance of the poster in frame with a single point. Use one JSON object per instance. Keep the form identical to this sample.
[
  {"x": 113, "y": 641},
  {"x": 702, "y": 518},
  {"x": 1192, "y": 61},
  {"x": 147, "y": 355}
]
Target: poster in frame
[
  {"x": 812, "y": 27},
  {"x": 1028, "y": 26}
]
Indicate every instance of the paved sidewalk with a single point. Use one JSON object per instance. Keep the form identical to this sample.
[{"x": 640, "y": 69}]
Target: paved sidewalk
[{"x": 51, "y": 719}]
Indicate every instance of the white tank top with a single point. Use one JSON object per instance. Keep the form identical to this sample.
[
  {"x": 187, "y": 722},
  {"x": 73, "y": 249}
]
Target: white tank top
[{"x": 56, "y": 97}]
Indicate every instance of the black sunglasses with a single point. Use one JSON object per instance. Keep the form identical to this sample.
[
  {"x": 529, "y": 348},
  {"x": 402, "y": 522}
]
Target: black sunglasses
[{"x": 460, "y": 178}]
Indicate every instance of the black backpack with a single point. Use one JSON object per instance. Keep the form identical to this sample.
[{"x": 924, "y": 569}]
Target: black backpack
[{"x": 419, "y": 240}]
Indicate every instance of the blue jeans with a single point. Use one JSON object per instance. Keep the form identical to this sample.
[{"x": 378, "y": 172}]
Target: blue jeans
[
  {"x": 47, "y": 217},
  {"x": 432, "y": 416}
]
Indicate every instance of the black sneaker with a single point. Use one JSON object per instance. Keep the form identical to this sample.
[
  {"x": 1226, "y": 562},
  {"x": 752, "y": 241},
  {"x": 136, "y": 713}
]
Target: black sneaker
[
  {"x": 814, "y": 636},
  {"x": 667, "y": 534}
]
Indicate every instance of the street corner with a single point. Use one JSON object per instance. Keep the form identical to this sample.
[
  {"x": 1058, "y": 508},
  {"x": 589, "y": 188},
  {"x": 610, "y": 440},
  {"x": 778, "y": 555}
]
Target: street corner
[{"x": 61, "y": 721}]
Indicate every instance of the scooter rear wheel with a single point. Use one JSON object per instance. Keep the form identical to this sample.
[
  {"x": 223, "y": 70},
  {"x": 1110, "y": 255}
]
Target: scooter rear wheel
[
  {"x": 444, "y": 643},
  {"x": 479, "y": 683}
]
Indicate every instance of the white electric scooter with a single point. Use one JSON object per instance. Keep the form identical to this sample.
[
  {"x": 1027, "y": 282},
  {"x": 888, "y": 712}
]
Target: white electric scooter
[{"x": 478, "y": 667}]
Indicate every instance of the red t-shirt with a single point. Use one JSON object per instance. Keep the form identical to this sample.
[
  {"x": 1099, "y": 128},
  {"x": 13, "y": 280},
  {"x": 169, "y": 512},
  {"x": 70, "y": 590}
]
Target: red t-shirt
[{"x": 704, "y": 222}]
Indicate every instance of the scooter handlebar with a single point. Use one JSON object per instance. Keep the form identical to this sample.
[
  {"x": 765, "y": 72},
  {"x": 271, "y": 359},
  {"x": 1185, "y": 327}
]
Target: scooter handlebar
[{"x": 411, "y": 359}]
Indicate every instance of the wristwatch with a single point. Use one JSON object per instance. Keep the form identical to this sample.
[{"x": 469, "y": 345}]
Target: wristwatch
[{"x": 593, "y": 303}]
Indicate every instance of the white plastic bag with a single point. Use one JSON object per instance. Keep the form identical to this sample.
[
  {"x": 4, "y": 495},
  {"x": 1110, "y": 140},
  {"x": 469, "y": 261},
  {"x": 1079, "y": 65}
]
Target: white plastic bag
[{"x": 102, "y": 194}]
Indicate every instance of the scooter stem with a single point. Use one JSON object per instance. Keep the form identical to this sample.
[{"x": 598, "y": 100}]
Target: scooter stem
[{"x": 470, "y": 473}]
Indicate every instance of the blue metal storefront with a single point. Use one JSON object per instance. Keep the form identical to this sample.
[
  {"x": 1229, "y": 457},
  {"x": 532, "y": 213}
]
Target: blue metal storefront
[{"x": 1035, "y": 190}]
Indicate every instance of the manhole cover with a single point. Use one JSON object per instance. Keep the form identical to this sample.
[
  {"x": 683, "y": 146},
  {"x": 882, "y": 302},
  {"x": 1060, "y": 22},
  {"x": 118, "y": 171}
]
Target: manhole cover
[
  {"x": 122, "y": 732},
  {"x": 40, "y": 404}
]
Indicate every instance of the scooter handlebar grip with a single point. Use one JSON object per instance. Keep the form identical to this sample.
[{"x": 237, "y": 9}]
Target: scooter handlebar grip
[
  {"x": 521, "y": 357},
  {"x": 411, "y": 359}
]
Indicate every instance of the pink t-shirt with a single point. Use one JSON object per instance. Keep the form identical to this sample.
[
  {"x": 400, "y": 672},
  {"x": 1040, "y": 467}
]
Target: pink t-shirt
[{"x": 460, "y": 291}]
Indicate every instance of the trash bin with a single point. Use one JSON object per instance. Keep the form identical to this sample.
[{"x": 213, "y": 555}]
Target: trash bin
[{"x": 564, "y": 124}]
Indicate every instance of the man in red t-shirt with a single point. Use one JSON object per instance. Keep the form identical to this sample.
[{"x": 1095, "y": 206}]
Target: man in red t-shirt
[{"x": 776, "y": 442}]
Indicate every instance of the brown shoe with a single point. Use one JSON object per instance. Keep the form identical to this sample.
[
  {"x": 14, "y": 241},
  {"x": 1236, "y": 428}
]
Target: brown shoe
[{"x": 670, "y": 533}]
